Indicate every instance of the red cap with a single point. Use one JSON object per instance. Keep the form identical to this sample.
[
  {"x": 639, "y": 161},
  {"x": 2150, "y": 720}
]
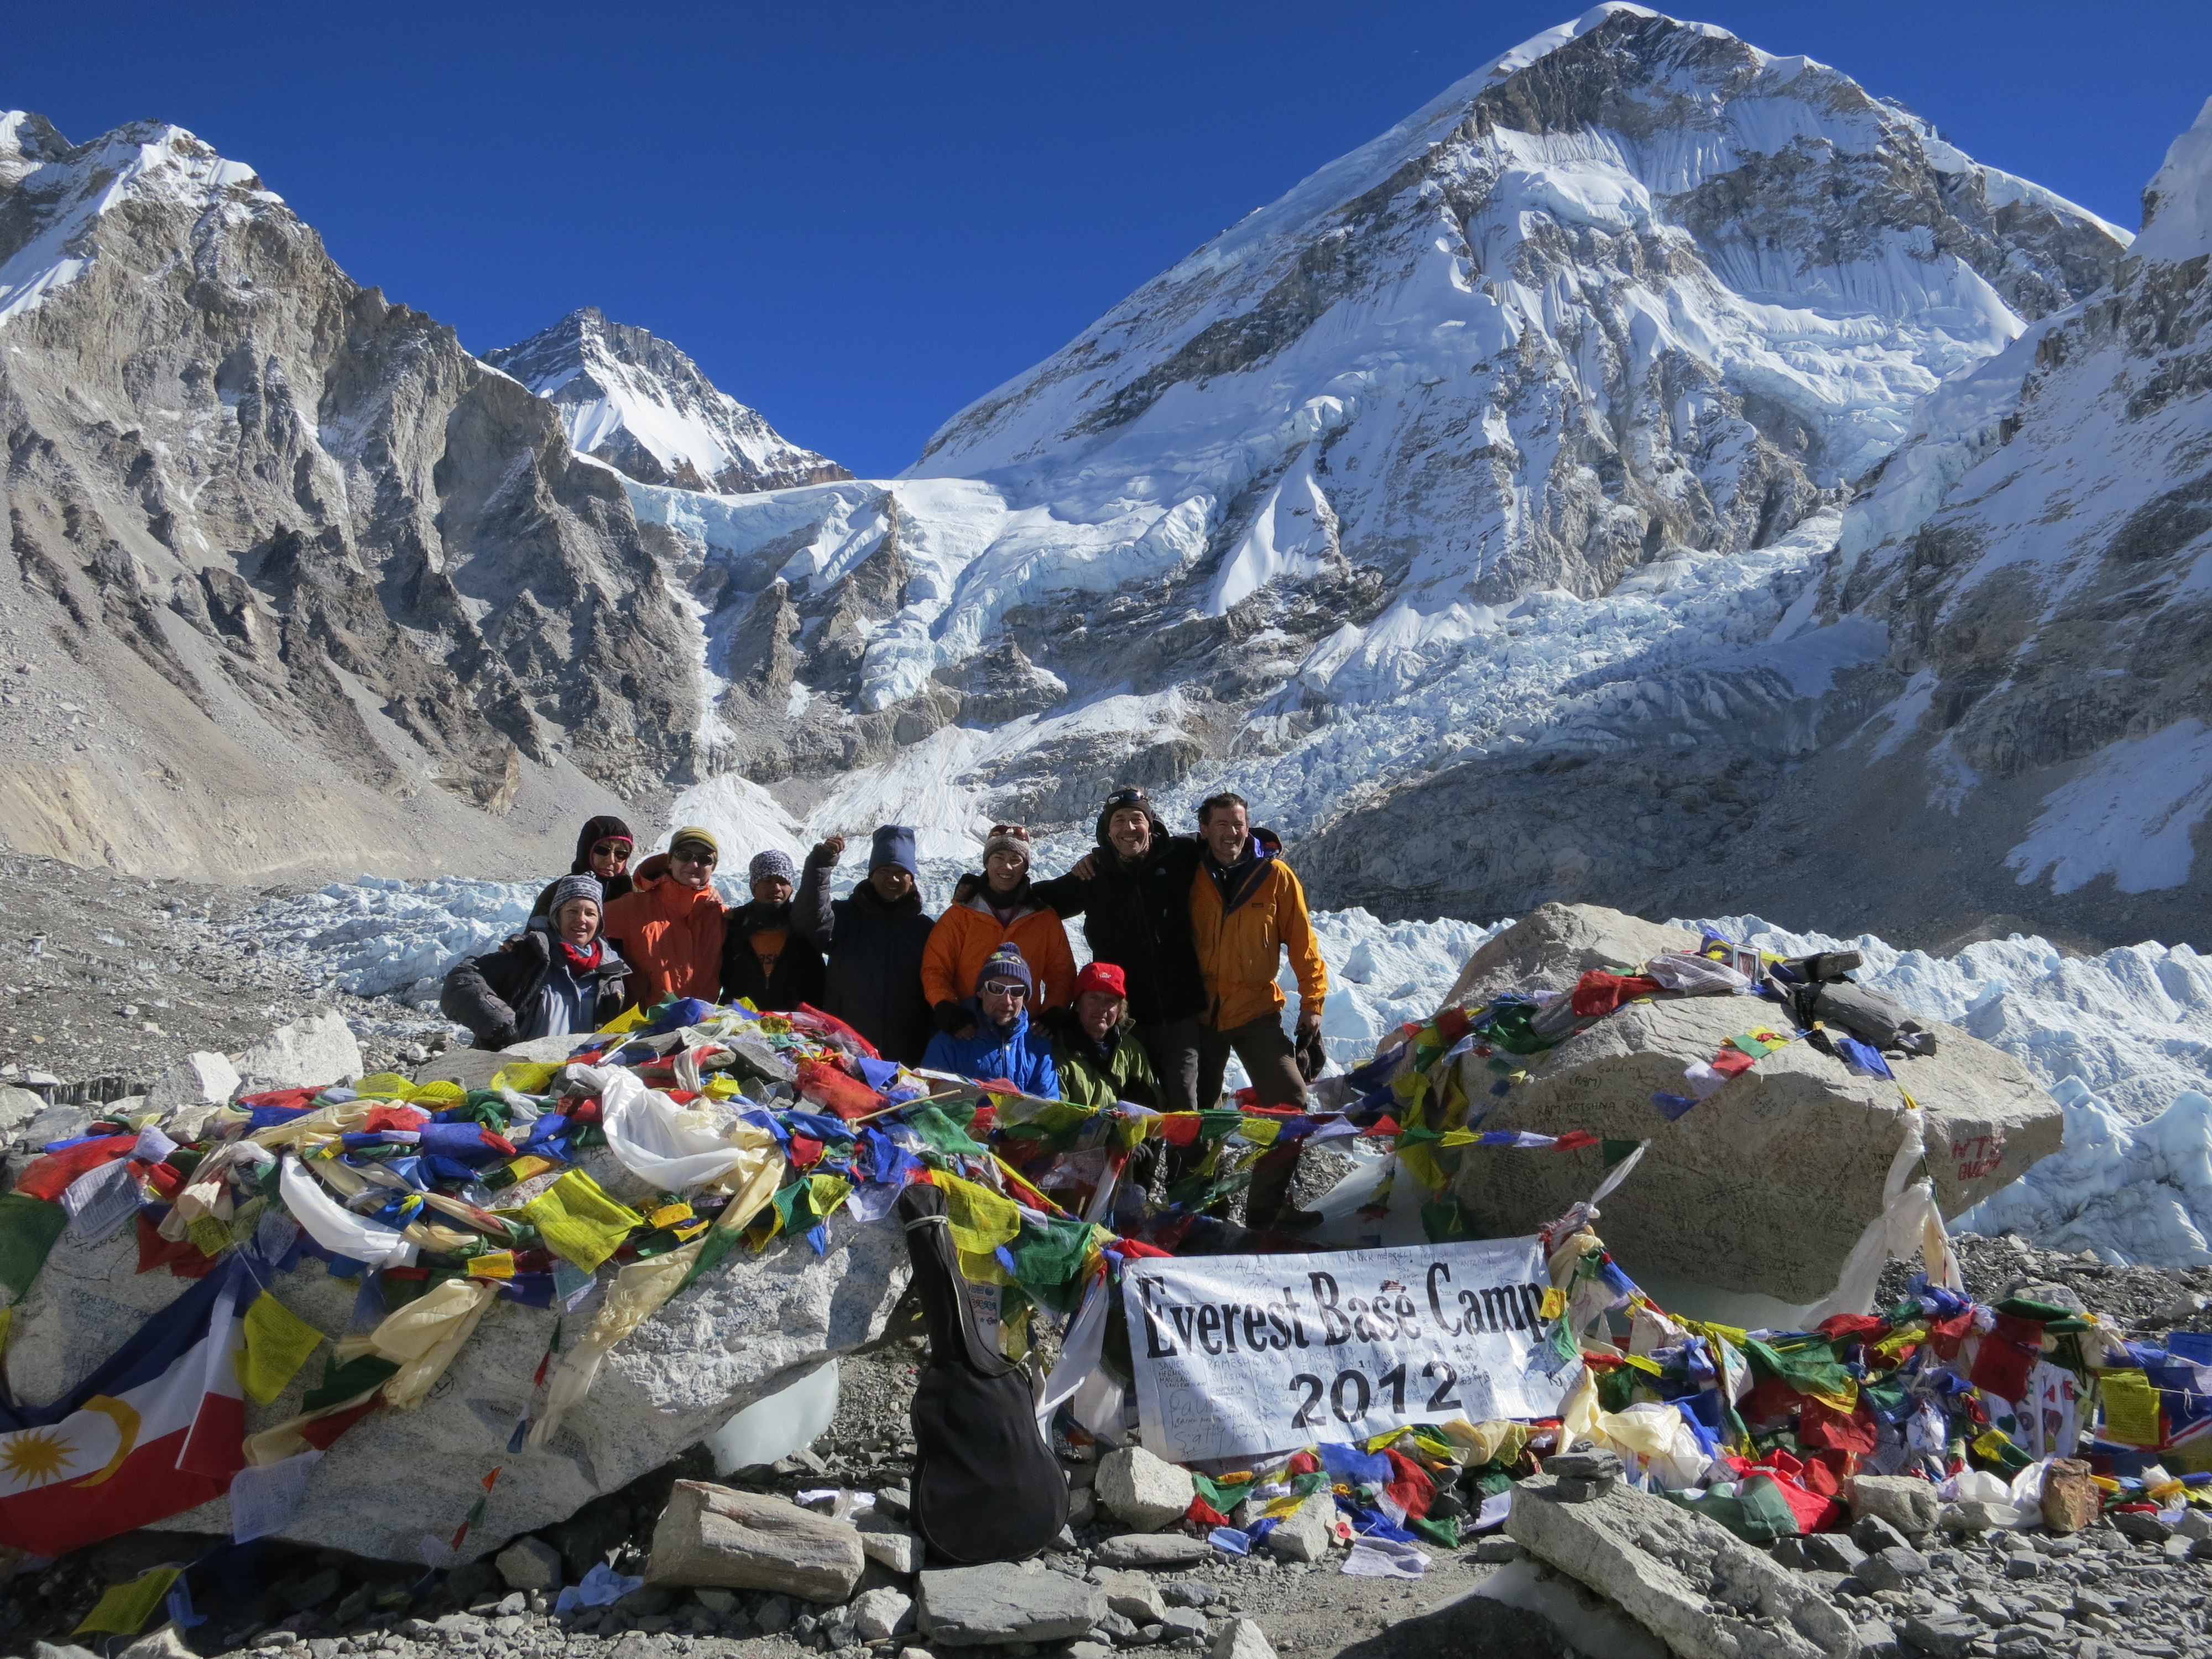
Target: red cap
[{"x": 1101, "y": 976}]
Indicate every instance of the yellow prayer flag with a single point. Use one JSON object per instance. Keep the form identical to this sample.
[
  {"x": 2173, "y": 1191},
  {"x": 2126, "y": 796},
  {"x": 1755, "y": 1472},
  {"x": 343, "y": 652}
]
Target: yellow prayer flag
[
  {"x": 437, "y": 1095},
  {"x": 668, "y": 1215},
  {"x": 1555, "y": 1303},
  {"x": 125, "y": 1608},
  {"x": 383, "y": 1085},
  {"x": 277, "y": 1343},
  {"x": 526, "y": 1077},
  {"x": 828, "y": 1191},
  {"x": 578, "y": 1220},
  {"x": 2130, "y": 1408},
  {"x": 493, "y": 1264},
  {"x": 209, "y": 1235},
  {"x": 1261, "y": 1131},
  {"x": 626, "y": 1022}
]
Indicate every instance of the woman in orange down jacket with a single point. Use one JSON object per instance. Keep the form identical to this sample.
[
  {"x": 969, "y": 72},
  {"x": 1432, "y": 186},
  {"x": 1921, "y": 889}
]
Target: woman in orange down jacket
[
  {"x": 986, "y": 912},
  {"x": 669, "y": 926}
]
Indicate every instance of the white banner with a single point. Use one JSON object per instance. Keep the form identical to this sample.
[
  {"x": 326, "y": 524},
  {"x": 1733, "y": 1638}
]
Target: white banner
[{"x": 1237, "y": 1355}]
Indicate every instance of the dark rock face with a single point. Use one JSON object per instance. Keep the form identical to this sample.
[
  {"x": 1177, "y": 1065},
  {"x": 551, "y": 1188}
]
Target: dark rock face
[{"x": 301, "y": 516}]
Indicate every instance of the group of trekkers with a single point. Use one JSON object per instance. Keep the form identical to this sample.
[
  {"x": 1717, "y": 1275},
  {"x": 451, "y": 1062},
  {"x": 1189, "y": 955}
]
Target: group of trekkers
[{"x": 1187, "y": 933}]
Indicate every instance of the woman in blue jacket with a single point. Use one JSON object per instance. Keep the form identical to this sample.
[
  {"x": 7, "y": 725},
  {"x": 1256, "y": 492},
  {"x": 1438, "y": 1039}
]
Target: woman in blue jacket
[{"x": 1002, "y": 1047}]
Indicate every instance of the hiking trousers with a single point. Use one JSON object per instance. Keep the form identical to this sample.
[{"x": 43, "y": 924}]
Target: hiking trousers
[
  {"x": 1270, "y": 1060},
  {"x": 1173, "y": 1049}
]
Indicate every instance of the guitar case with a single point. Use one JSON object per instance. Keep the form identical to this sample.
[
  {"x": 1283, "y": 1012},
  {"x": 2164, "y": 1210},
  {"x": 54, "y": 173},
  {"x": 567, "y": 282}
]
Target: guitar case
[{"x": 986, "y": 1486}]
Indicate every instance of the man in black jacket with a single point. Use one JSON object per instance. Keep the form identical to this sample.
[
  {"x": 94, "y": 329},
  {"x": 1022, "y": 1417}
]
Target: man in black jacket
[
  {"x": 873, "y": 940},
  {"x": 763, "y": 957},
  {"x": 1133, "y": 895}
]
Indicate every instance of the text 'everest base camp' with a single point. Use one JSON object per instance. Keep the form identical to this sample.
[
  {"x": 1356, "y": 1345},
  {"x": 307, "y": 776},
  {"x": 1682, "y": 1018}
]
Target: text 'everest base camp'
[{"x": 1003, "y": 1154}]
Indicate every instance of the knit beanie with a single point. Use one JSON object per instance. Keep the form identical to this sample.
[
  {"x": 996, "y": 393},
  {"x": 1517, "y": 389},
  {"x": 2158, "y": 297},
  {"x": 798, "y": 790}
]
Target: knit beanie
[
  {"x": 576, "y": 887},
  {"x": 1008, "y": 838},
  {"x": 771, "y": 866},
  {"x": 1004, "y": 964},
  {"x": 893, "y": 844}
]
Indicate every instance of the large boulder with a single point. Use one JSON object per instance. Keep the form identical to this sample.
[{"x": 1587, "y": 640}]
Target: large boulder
[
  {"x": 748, "y": 1328},
  {"x": 318, "y": 1049},
  {"x": 1766, "y": 1185},
  {"x": 1555, "y": 944}
]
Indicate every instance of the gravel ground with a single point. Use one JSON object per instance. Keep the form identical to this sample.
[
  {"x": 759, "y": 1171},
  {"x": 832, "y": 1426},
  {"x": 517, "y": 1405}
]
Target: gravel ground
[{"x": 116, "y": 977}]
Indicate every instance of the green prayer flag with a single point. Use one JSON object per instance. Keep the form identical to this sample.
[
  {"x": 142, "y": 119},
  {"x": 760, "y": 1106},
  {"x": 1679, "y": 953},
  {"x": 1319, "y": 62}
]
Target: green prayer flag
[
  {"x": 343, "y": 1383},
  {"x": 28, "y": 1228},
  {"x": 1613, "y": 1150},
  {"x": 1444, "y": 1532},
  {"x": 942, "y": 1134}
]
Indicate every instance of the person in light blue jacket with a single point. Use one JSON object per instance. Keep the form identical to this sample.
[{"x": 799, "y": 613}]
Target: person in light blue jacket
[{"x": 1002, "y": 1046}]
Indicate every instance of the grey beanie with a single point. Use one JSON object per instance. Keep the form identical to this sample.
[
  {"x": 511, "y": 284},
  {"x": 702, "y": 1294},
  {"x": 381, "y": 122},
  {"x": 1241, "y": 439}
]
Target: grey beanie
[
  {"x": 771, "y": 865},
  {"x": 576, "y": 887}
]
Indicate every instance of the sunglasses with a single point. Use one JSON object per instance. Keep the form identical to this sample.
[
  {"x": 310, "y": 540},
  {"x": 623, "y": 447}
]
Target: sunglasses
[
  {"x": 611, "y": 849},
  {"x": 1016, "y": 989},
  {"x": 690, "y": 855}
]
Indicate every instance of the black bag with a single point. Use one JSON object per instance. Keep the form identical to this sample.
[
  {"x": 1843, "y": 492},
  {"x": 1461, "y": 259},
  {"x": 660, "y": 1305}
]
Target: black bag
[{"x": 986, "y": 1484}]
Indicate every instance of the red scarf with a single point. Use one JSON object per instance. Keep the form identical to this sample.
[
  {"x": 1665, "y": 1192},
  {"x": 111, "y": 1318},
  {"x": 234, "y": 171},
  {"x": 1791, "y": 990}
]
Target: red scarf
[{"x": 580, "y": 962}]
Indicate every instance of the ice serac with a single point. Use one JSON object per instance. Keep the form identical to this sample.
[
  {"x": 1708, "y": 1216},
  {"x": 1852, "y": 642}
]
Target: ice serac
[
  {"x": 1508, "y": 437},
  {"x": 325, "y": 591},
  {"x": 631, "y": 399}
]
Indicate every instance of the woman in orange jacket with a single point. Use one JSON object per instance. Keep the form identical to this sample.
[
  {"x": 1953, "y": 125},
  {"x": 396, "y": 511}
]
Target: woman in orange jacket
[
  {"x": 986, "y": 913},
  {"x": 669, "y": 928}
]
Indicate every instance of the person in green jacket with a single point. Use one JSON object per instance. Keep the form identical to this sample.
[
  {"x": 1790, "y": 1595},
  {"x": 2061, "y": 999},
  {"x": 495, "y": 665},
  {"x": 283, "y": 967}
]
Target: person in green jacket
[{"x": 1094, "y": 1043}]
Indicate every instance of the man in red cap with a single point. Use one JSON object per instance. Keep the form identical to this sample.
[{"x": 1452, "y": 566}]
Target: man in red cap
[{"x": 1094, "y": 1043}]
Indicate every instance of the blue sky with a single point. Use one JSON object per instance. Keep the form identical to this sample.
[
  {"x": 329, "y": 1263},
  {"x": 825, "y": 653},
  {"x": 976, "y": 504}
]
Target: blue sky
[{"x": 859, "y": 217}]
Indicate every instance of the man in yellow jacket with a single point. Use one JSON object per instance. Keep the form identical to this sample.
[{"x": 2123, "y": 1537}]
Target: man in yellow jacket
[{"x": 1246, "y": 910}]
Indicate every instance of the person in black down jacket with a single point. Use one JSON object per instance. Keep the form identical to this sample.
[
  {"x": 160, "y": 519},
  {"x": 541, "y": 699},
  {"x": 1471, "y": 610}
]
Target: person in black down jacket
[
  {"x": 558, "y": 978},
  {"x": 874, "y": 942},
  {"x": 763, "y": 957},
  {"x": 602, "y": 849},
  {"x": 1133, "y": 895}
]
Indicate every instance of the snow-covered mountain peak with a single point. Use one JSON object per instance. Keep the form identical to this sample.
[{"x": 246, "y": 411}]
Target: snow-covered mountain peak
[
  {"x": 1571, "y": 368},
  {"x": 633, "y": 400},
  {"x": 59, "y": 191},
  {"x": 2178, "y": 203}
]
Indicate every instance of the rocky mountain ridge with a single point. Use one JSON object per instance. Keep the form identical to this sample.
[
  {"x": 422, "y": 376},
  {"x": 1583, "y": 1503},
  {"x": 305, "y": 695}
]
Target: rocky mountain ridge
[{"x": 314, "y": 586}]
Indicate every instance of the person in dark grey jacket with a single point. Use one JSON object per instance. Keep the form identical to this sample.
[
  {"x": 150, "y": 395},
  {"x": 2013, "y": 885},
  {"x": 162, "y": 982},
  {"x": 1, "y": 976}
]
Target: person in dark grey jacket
[
  {"x": 557, "y": 978},
  {"x": 873, "y": 940}
]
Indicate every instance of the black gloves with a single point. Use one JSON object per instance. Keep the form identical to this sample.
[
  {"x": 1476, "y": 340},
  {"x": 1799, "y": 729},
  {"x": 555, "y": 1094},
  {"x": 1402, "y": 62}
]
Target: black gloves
[{"x": 953, "y": 1019}]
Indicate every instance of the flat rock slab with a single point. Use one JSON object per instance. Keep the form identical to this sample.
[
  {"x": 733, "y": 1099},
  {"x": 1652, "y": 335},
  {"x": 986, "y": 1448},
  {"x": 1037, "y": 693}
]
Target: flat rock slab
[
  {"x": 992, "y": 1606},
  {"x": 1766, "y": 1185},
  {"x": 1157, "y": 1551},
  {"x": 1690, "y": 1582},
  {"x": 710, "y": 1535}
]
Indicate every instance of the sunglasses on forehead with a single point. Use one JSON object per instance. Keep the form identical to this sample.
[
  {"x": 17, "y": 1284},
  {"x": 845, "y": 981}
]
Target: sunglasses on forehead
[{"x": 1013, "y": 831}]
